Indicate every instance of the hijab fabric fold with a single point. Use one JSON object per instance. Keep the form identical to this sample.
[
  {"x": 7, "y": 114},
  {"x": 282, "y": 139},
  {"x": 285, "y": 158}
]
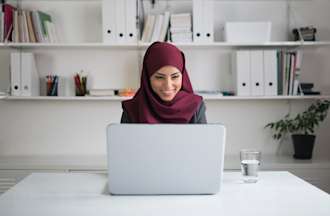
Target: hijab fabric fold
[{"x": 146, "y": 106}]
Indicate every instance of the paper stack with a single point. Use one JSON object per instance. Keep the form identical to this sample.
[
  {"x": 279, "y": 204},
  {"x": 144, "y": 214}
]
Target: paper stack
[{"x": 181, "y": 28}]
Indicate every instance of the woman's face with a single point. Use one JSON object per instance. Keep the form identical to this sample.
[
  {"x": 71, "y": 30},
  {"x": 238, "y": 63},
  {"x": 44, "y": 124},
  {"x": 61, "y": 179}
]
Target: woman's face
[{"x": 166, "y": 82}]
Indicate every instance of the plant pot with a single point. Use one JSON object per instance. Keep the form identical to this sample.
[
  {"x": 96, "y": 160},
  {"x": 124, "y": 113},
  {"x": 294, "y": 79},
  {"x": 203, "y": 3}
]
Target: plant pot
[{"x": 303, "y": 146}]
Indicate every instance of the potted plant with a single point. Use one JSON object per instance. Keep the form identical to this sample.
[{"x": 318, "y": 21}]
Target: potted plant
[{"x": 301, "y": 127}]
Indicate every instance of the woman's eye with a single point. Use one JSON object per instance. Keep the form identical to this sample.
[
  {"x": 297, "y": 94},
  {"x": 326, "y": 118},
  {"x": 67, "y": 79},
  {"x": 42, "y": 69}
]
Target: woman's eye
[
  {"x": 159, "y": 77},
  {"x": 175, "y": 77}
]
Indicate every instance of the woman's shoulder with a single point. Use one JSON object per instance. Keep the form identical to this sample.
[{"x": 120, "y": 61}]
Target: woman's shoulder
[
  {"x": 125, "y": 117},
  {"x": 201, "y": 107}
]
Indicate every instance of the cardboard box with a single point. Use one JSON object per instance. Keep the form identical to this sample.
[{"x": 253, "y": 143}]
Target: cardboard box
[{"x": 247, "y": 32}]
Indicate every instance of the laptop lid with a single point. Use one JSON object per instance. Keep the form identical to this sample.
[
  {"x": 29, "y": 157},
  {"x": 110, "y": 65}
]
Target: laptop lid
[{"x": 165, "y": 158}]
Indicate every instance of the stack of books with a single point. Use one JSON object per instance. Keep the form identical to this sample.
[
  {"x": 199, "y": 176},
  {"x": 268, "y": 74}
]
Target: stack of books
[
  {"x": 181, "y": 28},
  {"x": 288, "y": 72},
  {"x": 125, "y": 92},
  {"x": 23, "y": 26},
  {"x": 155, "y": 27}
]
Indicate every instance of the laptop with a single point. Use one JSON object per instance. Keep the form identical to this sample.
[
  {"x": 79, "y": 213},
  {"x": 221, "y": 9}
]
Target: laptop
[{"x": 146, "y": 159}]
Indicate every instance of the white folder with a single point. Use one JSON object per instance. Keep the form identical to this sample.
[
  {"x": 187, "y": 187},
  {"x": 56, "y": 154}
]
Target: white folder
[
  {"x": 109, "y": 21},
  {"x": 198, "y": 21},
  {"x": 241, "y": 72},
  {"x": 257, "y": 73},
  {"x": 270, "y": 72},
  {"x": 15, "y": 73},
  {"x": 121, "y": 21},
  {"x": 208, "y": 11},
  {"x": 29, "y": 76},
  {"x": 131, "y": 16}
]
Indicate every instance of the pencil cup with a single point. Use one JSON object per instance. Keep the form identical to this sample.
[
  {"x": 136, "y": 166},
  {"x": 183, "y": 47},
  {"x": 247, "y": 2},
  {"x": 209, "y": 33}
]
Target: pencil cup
[
  {"x": 52, "y": 85},
  {"x": 80, "y": 86}
]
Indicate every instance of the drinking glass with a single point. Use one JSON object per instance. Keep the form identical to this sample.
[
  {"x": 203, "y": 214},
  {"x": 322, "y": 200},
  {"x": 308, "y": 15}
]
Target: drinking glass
[{"x": 250, "y": 162}]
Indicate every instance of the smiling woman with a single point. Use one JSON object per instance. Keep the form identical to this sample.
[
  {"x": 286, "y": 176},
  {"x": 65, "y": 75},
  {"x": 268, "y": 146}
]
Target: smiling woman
[{"x": 165, "y": 94}]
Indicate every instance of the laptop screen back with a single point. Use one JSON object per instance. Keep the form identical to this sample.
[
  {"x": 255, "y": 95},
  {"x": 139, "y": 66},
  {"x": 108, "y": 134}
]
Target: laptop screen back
[{"x": 165, "y": 158}]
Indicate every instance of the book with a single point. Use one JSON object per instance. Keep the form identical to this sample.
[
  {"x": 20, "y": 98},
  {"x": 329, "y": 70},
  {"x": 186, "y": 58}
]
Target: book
[
  {"x": 31, "y": 28},
  {"x": 157, "y": 28},
  {"x": 148, "y": 28},
  {"x": 15, "y": 34},
  {"x": 165, "y": 26},
  {"x": 37, "y": 26},
  {"x": 43, "y": 17},
  {"x": 24, "y": 27},
  {"x": 8, "y": 21},
  {"x": 101, "y": 92},
  {"x": 1, "y": 26}
]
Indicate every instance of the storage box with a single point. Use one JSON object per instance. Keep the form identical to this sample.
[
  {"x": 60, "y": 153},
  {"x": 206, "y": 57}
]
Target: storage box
[{"x": 247, "y": 32}]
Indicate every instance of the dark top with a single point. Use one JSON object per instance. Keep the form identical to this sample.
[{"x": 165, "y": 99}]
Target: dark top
[{"x": 198, "y": 118}]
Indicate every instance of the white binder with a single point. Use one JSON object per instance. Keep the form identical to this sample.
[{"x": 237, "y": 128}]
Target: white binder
[
  {"x": 257, "y": 73},
  {"x": 208, "y": 11},
  {"x": 29, "y": 76},
  {"x": 198, "y": 21},
  {"x": 15, "y": 73},
  {"x": 270, "y": 72},
  {"x": 109, "y": 21},
  {"x": 241, "y": 72},
  {"x": 121, "y": 21},
  {"x": 131, "y": 18}
]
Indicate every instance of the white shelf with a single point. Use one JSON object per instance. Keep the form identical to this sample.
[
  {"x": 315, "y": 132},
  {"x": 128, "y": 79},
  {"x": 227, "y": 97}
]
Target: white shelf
[
  {"x": 206, "y": 97},
  {"x": 177, "y": 0},
  {"x": 215, "y": 97},
  {"x": 141, "y": 45},
  {"x": 70, "y": 46},
  {"x": 71, "y": 98}
]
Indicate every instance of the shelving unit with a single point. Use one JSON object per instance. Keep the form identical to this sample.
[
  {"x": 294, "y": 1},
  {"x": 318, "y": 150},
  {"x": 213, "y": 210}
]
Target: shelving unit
[{"x": 48, "y": 128}]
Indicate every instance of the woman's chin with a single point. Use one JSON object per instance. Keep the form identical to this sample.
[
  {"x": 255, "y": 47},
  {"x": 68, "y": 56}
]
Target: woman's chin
[{"x": 167, "y": 98}]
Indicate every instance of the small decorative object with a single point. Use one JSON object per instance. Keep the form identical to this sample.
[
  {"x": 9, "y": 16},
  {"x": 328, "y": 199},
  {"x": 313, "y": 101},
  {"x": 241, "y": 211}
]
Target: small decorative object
[
  {"x": 307, "y": 33},
  {"x": 307, "y": 89},
  {"x": 301, "y": 127},
  {"x": 80, "y": 81},
  {"x": 126, "y": 92}
]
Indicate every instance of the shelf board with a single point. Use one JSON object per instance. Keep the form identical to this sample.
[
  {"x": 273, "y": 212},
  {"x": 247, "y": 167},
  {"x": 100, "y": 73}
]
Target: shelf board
[
  {"x": 71, "y": 46},
  {"x": 141, "y": 45},
  {"x": 176, "y": 0},
  {"x": 216, "y": 97},
  {"x": 68, "y": 98},
  {"x": 206, "y": 97}
]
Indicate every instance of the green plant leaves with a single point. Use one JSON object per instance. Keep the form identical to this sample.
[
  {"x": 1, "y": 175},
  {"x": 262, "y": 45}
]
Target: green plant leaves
[{"x": 304, "y": 122}]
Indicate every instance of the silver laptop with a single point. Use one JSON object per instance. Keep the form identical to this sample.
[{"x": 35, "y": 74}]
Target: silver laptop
[{"x": 165, "y": 158}]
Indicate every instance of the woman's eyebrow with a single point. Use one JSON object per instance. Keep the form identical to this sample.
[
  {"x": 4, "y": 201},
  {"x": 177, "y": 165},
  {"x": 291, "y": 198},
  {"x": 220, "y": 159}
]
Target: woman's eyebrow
[{"x": 160, "y": 74}]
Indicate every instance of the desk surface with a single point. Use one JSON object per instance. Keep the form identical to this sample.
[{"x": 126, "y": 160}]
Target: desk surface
[{"x": 54, "y": 194}]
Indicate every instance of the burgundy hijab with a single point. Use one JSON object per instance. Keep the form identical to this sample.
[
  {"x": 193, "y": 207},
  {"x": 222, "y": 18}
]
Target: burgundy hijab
[{"x": 146, "y": 106}]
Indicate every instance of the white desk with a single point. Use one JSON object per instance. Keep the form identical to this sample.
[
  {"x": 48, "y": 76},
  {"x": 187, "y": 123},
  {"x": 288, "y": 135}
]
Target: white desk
[{"x": 277, "y": 193}]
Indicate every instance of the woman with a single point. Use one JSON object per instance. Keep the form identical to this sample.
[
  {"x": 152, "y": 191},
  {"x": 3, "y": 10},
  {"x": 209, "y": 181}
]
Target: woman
[{"x": 165, "y": 94}]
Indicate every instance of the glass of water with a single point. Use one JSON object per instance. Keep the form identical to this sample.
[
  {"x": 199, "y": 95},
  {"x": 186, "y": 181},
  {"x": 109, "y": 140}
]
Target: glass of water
[{"x": 250, "y": 162}]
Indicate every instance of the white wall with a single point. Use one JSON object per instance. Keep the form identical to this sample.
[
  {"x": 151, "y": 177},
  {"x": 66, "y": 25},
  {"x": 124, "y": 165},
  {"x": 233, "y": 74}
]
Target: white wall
[{"x": 78, "y": 127}]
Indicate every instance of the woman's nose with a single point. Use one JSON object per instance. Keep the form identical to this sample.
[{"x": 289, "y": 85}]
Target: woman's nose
[{"x": 168, "y": 82}]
